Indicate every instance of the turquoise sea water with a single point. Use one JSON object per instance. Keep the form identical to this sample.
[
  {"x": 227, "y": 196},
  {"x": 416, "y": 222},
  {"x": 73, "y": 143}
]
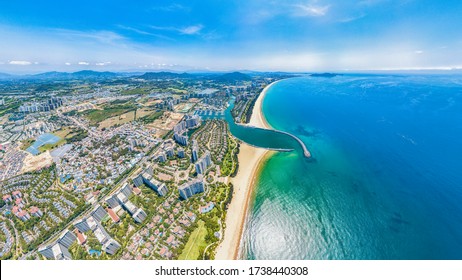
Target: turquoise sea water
[{"x": 386, "y": 182}]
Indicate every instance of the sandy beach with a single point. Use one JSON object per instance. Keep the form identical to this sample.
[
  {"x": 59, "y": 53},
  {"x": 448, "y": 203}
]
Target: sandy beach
[{"x": 249, "y": 160}]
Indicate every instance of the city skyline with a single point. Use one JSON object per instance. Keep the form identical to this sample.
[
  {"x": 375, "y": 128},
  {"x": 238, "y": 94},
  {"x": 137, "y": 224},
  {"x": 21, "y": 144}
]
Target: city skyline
[{"x": 317, "y": 35}]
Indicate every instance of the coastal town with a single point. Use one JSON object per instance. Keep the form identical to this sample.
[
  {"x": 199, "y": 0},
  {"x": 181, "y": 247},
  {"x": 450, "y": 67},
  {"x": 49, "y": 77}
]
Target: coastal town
[{"x": 131, "y": 168}]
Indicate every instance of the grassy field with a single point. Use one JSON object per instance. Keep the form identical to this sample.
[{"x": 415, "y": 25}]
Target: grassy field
[
  {"x": 67, "y": 135},
  {"x": 136, "y": 91},
  {"x": 97, "y": 116},
  {"x": 110, "y": 110},
  {"x": 47, "y": 147},
  {"x": 117, "y": 120},
  {"x": 26, "y": 143},
  {"x": 195, "y": 242},
  {"x": 151, "y": 117},
  {"x": 62, "y": 133}
]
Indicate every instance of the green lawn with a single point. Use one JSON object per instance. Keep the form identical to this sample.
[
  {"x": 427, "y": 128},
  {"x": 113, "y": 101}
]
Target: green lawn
[
  {"x": 47, "y": 147},
  {"x": 96, "y": 116},
  {"x": 151, "y": 117},
  {"x": 196, "y": 240}
]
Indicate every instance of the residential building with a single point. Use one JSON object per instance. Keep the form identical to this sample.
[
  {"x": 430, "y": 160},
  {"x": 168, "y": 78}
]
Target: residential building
[
  {"x": 61, "y": 253},
  {"x": 35, "y": 211},
  {"x": 112, "y": 201},
  {"x": 23, "y": 215},
  {"x": 203, "y": 163},
  {"x": 98, "y": 213},
  {"x": 180, "y": 152},
  {"x": 113, "y": 215},
  {"x": 194, "y": 151},
  {"x": 111, "y": 246},
  {"x": 146, "y": 178},
  {"x": 162, "y": 157},
  {"x": 126, "y": 190},
  {"x": 100, "y": 235},
  {"x": 191, "y": 188},
  {"x": 46, "y": 251},
  {"x": 181, "y": 139},
  {"x": 139, "y": 215},
  {"x": 67, "y": 238},
  {"x": 130, "y": 207}
]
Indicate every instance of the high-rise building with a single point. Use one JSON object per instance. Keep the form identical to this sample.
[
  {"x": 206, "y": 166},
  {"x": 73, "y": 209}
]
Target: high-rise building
[
  {"x": 59, "y": 249},
  {"x": 146, "y": 178},
  {"x": 162, "y": 157},
  {"x": 139, "y": 215},
  {"x": 92, "y": 223},
  {"x": 181, "y": 139},
  {"x": 67, "y": 238},
  {"x": 180, "y": 127},
  {"x": 203, "y": 163},
  {"x": 112, "y": 201},
  {"x": 192, "y": 121},
  {"x": 100, "y": 235},
  {"x": 194, "y": 151},
  {"x": 191, "y": 188},
  {"x": 126, "y": 190},
  {"x": 122, "y": 198},
  {"x": 111, "y": 246},
  {"x": 169, "y": 151},
  {"x": 98, "y": 213},
  {"x": 130, "y": 207},
  {"x": 180, "y": 152},
  {"x": 82, "y": 225},
  {"x": 61, "y": 252},
  {"x": 138, "y": 181},
  {"x": 47, "y": 251}
]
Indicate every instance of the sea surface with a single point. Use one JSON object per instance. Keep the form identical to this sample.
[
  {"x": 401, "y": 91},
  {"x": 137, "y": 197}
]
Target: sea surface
[{"x": 386, "y": 178}]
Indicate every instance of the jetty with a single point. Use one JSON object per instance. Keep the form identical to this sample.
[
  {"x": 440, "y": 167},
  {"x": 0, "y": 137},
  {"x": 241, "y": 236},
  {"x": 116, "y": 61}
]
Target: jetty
[{"x": 306, "y": 152}]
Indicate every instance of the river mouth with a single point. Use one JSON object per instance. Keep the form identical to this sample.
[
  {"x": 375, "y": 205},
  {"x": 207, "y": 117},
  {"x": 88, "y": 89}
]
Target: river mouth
[{"x": 260, "y": 137}]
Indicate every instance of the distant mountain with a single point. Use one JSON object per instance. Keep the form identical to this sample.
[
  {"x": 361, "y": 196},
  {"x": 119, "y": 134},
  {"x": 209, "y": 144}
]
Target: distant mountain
[
  {"x": 165, "y": 75},
  {"x": 94, "y": 74},
  {"x": 50, "y": 75},
  {"x": 85, "y": 74},
  {"x": 233, "y": 77},
  {"x": 5, "y": 76}
]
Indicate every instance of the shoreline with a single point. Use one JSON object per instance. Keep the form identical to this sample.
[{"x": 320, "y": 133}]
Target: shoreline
[
  {"x": 250, "y": 160},
  {"x": 258, "y": 118}
]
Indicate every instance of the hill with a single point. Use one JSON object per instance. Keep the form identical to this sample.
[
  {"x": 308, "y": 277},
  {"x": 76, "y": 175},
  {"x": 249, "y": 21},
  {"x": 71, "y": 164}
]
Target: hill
[
  {"x": 233, "y": 77},
  {"x": 165, "y": 75}
]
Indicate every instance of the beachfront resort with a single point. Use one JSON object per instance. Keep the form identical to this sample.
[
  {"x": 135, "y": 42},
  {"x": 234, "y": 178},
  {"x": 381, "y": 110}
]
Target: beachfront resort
[{"x": 143, "y": 168}]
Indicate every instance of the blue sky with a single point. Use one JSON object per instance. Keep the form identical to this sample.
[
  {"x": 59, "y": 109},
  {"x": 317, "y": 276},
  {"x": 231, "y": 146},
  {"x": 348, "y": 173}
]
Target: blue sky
[{"x": 305, "y": 35}]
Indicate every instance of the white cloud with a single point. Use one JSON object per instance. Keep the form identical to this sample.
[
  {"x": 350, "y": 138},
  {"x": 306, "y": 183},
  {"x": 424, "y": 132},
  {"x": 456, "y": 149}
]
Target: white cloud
[
  {"x": 171, "y": 8},
  {"x": 310, "y": 10},
  {"x": 83, "y": 63},
  {"x": 419, "y": 52},
  {"x": 101, "y": 36},
  {"x": 67, "y": 63},
  {"x": 20, "y": 62},
  {"x": 191, "y": 30},
  {"x": 188, "y": 30},
  {"x": 102, "y": 63}
]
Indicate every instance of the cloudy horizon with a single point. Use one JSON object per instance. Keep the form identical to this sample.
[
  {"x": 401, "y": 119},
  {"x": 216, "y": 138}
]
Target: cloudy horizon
[{"x": 309, "y": 35}]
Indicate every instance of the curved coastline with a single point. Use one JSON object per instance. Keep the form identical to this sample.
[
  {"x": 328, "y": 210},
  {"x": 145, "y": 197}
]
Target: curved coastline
[
  {"x": 250, "y": 163},
  {"x": 260, "y": 121}
]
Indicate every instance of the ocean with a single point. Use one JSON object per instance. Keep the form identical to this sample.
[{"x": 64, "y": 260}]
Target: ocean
[{"x": 385, "y": 181}]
